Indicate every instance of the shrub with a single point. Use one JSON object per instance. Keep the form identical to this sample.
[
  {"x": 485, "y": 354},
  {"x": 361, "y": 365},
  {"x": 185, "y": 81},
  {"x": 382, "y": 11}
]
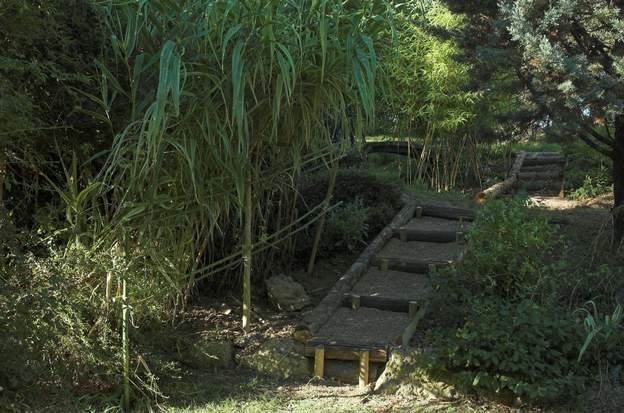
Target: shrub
[
  {"x": 346, "y": 227},
  {"x": 526, "y": 350},
  {"x": 382, "y": 198},
  {"x": 508, "y": 252}
]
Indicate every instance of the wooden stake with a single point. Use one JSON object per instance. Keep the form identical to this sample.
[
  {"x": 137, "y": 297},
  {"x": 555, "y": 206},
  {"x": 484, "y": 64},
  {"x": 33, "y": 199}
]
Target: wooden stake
[
  {"x": 384, "y": 264},
  {"x": 419, "y": 212},
  {"x": 364, "y": 366},
  {"x": 413, "y": 308},
  {"x": 459, "y": 237},
  {"x": 355, "y": 302},
  {"x": 432, "y": 268},
  {"x": 403, "y": 234},
  {"x": 319, "y": 361}
]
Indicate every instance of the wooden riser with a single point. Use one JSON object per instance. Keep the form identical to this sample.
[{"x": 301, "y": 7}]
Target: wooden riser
[
  {"x": 409, "y": 234},
  {"x": 396, "y": 305},
  {"x": 410, "y": 266},
  {"x": 447, "y": 212}
]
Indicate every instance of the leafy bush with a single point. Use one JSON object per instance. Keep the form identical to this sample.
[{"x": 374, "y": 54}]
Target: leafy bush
[
  {"x": 593, "y": 186},
  {"x": 382, "y": 198},
  {"x": 588, "y": 173},
  {"x": 508, "y": 252},
  {"x": 526, "y": 350},
  {"x": 346, "y": 227}
]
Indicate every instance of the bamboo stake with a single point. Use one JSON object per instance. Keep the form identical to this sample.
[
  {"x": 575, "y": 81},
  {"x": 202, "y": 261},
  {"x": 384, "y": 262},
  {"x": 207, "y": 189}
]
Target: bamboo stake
[
  {"x": 321, "y": 223},
  {"x": 125, "y": 348},
  {"x": 364, "y": 366},
  {"x": 247, "y": 246}
]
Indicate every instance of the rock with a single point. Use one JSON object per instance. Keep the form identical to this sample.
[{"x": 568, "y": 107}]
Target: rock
[
  {"x": 406, "y": 375},
  {"x": 286, "y": 294},
  {"x": 280, "y": 358},
  {"x": 204, "y": 353}
]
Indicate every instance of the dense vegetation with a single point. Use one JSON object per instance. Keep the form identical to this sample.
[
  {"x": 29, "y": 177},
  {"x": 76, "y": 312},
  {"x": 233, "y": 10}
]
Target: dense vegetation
[{"x": 153, "y": 152}]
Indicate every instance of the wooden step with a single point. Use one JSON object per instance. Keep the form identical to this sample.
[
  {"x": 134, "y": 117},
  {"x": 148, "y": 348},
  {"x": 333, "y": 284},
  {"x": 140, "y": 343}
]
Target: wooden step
[
  {"x": 530, "y": 176},
  {"x": 541, "y": 184}
]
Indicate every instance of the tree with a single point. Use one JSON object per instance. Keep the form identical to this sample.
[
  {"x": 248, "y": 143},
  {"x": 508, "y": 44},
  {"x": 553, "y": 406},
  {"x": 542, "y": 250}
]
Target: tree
[{"x": 572, "y": 62}]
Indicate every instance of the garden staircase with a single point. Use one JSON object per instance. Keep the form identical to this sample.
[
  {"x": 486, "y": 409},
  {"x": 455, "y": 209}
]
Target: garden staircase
[{"x": 379, "y": 303}]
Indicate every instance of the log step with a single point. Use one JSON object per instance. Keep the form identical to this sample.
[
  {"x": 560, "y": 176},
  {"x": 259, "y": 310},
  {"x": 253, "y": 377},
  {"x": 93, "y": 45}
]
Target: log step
[
  {"x": 544, "y": 161},
  {"x": 529, "y": 176},
  {"x": 345, "y": 351},
  {"x": 407, "y": 234},
  {"x": 447, "y": 212},
  {"x": 408, "y": 265},
  {"x": 541, "y": 168},
  {"x": 397, "y": 305}
]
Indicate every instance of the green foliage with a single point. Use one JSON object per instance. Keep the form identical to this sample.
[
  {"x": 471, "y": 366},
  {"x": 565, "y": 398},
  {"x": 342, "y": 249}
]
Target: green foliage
[
  {"x": 508, "y": 253},
  {"x": 605, "y": 335},
  {"x": 588, "y": 173},
  {"x": 346, "y": 227},
  {"x": 524, "y": 349},
  {"x": 381, "y": 198}
]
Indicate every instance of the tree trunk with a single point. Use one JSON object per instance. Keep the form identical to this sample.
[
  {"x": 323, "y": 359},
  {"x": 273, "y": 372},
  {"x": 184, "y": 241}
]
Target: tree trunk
[{"x": 618, "y": 181}]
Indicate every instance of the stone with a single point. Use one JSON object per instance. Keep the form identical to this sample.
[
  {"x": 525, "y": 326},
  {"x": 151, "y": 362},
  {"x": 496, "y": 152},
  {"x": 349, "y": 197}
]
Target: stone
[
  {"x": 286, "y": 294},
  {"x": 205, "y": 353},
  {"x": 280, "y": 358}
]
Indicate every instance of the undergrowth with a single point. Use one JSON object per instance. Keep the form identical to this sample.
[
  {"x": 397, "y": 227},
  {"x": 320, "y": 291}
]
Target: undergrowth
[{"x": 514, "y": 335}]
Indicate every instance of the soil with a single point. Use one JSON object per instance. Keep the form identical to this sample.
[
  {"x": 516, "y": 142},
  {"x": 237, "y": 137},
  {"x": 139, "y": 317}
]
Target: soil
[
  {"x": 364, "y": 327},
  {"x": 406, "y": 286}
]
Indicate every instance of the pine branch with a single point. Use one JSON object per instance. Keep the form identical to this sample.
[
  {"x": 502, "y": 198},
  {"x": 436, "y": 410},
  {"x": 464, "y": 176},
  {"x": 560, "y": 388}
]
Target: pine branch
[{"x": 592, "y": 144}]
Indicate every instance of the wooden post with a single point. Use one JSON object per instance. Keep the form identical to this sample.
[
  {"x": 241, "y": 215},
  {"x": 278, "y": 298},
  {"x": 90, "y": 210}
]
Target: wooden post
[
  {"x": 432, "y": 268},
  {"x": 384, "y": 264},
  {"x": 459, "y": 237},
  {"x": 419, "y": 212},
  {"x": 403, "y": 234},
  {"x": 355, "y": 302},
  {"x": 413, "y": 308},
  {"x": 364, "y": 366},
  {"x": 319, "y": 361},
  {"x": 461, "y": 222}
]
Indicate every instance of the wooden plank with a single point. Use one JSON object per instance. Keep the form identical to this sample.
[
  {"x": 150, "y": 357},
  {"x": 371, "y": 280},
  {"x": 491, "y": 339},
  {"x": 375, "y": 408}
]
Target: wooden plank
[
  {"x": 412, "y": 234},
  {"x": 319, "y": 361},
  {"x": 411, "y": 266},
  {"x": 404, "y": 148},
  {"x": 364, "y": 366},
  {"x": 397, "y": 305},
  {"x": 409, "y": 331},
  {"x": 348, "y": 353},
  {"x": 355, "y": 302}
]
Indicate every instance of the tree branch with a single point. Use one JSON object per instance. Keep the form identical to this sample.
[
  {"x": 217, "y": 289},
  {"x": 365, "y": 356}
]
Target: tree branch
[{"x": 592, "y": 144}]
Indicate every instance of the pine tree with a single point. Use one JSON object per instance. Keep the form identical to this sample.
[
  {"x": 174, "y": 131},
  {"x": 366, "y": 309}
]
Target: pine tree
[{"x": 569, "y": 56}]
